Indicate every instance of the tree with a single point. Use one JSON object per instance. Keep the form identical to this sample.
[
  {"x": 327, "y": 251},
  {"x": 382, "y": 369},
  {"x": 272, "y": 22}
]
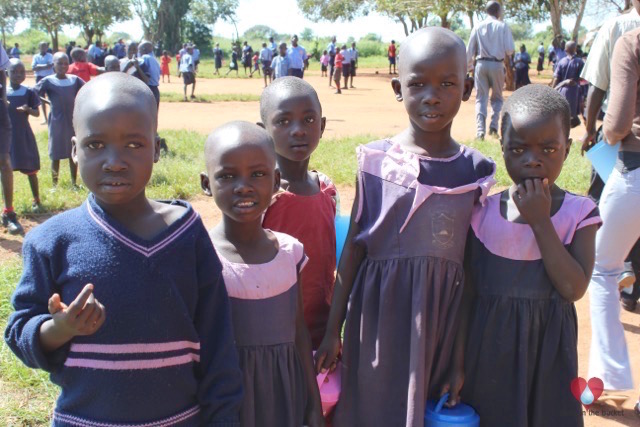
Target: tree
[
  {"x": 307, "y": 34},
  {"x": 96, "y": 16},
  {"x": 260, "y": 32},
  {"x": 50, "y": 15},
  {"x": 198, "y": 33},
  {"x": 208, "y": 12},
  {"x": 9, "y": 13}
]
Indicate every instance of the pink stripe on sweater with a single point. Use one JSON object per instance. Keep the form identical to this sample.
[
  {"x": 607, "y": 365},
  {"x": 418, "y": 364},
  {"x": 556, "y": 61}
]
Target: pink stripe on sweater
[
  {"x": 183, "y": 416},
  {"x": 134, "y": 348},
  {"x": 127, "y": 365}
]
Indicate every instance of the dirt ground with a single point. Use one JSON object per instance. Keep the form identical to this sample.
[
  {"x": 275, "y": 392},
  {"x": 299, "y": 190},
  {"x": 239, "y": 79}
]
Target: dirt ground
[{"x": 369, "y": 109}]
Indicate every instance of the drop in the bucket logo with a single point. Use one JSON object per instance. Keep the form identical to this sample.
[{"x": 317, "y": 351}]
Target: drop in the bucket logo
[{"x": 587, "y": 392}]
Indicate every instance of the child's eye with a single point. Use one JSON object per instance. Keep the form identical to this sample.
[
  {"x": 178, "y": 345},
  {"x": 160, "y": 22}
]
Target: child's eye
[
  {"x": 259, "y": 174},
  {"x": 310, "y": 120},
  {"x": 415, "y": 84},
  {"x": 447, "y": 84},
  {"x": 94, "y": 145},
  {"x": 550, "y": 150},
  {"x": 225, "y": 176},
  {"x": 134, "y": 145},
  {"x": 517, "y": 150},
  {"x": 282, "y": 122}
]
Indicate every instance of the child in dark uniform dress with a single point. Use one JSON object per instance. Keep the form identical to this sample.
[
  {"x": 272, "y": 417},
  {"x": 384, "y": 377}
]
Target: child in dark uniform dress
[
  {"x": 261, "y": 269},
  {"x": 61, "y": 90},
  {"x": 399, "y": 280},
  {"x": 531, "y": 252},
  {"x": 24, "y": 102}
]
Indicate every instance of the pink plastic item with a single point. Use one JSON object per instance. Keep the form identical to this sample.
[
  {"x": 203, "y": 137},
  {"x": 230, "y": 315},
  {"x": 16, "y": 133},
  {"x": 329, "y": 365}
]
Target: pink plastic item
[{"x": 329, "y": 385}]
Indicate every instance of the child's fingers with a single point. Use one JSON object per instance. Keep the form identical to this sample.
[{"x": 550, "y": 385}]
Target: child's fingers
[
  {"x": 319, "y": 356},
  {"x": 87, "y": 311},
  {"x": 78, "y": 304},
  {"x": 537, "y": 186},
  {"x": 54, "y": 305},
  {"x": 529, "y": 186},
  {"x": 97, "y": 317}
]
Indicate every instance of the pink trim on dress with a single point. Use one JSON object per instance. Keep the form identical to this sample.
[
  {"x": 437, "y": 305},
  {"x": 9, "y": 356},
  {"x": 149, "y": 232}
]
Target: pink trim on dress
[
  {"x": 165, "y": 422},
  {"x": 126, "y": 365},
  {"x": 134, "y": 348},
  {"x": 516, "y": 241},
  {"x": 145, "y": 251},
  {"x": 261, "y": 281},
  {"x": 403, "y": 168}
]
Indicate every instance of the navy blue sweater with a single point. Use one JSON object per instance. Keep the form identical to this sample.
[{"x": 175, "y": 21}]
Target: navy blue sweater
[{"x": 165, "y": 354}]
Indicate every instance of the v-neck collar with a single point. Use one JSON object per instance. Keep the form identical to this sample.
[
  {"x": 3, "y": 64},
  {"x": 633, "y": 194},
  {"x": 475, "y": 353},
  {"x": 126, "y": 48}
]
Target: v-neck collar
[{"x": 147, "y": 248}]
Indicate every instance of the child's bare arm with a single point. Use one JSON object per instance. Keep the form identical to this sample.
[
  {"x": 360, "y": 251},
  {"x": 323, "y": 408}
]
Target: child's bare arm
[
  {"x": 569, "y": 270},
  {"x": 349, "y": 263},
  {"x": 313, "y": 411},
  {"x": 28, "y": 110},
  {"x": 84, "y": 316}
]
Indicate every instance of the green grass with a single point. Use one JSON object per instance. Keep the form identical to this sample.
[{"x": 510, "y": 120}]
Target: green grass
[
  {"x": 209, "y": 98},
  {"x": 27, "y": 395}
]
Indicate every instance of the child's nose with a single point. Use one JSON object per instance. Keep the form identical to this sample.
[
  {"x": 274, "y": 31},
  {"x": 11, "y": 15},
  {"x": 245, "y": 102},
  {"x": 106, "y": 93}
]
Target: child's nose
[
  {"x": 114, "y": 162},
  {"x": 430, "y": 96},
  {"x": 242, "y": 187}
]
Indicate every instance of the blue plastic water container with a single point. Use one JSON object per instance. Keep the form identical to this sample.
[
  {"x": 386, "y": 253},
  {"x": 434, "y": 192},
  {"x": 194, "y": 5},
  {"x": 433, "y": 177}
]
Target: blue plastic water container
[
  {"x": 342, "y": 228},
  {"x": 461, "y": 415},
  {"x": 603, "y": 157}
]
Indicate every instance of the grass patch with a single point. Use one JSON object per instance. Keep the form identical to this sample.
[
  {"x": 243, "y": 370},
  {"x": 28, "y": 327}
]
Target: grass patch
[
  {"x": 209, "y": 98},
  {"x": 27, "y": 394}
]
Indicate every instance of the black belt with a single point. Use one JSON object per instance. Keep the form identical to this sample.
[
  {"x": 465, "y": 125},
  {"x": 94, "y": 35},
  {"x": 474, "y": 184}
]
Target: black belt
[{"x": 490, "y": 59}]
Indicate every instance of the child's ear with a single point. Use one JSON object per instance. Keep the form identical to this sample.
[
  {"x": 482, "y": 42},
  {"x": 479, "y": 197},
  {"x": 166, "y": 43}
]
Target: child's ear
[
  {"x": 74, "y": 150},
  {"x": 468, "y": 88},
  {"x": 156, "y": 149},
  {"x": 569, "y": 143},
  {"x": 261, "y": 125},
  {"x": 205, "y": 184},
  {"x": 397, "y": 88},
  {"x": 276, "y": 186},
  {"x": 323, "y": 125}
]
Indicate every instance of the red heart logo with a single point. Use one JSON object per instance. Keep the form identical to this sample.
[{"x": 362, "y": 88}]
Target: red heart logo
[{"x": 587, "y": 392}]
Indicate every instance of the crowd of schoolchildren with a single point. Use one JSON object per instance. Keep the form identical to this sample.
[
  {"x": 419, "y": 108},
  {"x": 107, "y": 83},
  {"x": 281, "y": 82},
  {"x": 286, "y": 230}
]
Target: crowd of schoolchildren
[{"x": 145, "y": 318}]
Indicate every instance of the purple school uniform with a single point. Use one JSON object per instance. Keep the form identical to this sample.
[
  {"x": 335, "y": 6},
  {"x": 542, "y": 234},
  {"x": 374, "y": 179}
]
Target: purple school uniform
[
  {"x": 62, "y": 94},
  {"x": 414, "y": 214},
  {"x": 521, "y": 353},
  {"x": 569, "y": 68},
  {"x": 24, "y": 149},
  {"x": 264, "y": 306}
]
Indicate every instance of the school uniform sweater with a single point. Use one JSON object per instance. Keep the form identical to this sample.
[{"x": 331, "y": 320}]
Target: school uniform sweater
[{"x": 165, "y": 354}]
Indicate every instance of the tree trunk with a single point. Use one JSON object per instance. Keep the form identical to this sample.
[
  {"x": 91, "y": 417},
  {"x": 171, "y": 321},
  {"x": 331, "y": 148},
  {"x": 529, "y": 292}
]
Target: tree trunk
[
  {"x": 576, "y": 28},
  {"x": 88, "y": 35},
  {"x": 54, "y": 40},
  {"x": 4, "y": 39},
  {"x": 470, "y": 15},
  {"x": 444, "y": 22},
  {"x": 510, "y": 81},
  {"x": 404, "y": 25},
  {"x": 556, "y": 17}
]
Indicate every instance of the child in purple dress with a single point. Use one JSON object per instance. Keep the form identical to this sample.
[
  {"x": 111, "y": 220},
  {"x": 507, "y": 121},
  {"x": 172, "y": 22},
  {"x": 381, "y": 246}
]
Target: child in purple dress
[
  {"x": 401, "y": 268},
  {"x": 566, "y": 80},
  {"x": 24, "y": 102},
  {"x": 61, "y": 90},
  {"x": 261, "y": 269},
  {"x": 531, "y": 254}
]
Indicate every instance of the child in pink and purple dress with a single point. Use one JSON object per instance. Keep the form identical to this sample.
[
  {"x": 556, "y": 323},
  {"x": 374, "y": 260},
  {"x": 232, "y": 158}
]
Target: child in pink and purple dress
[
  {"x": 261, "y": 269},
  {"x": 324, "y": 62},
  {"x": 401, "y": 268},
  {"x": 531, "y": 253}
]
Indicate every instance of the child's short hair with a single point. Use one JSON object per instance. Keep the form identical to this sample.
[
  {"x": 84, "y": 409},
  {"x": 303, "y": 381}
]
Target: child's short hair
[
  {"x": 77, "y": 53},
  {"x": 537, "y": 99},
  {"x": 165, "y": 52},
  {"x": 290, "y": 85},
  {"x": 324, "y": 52},
  {"x": 264, "y": 45}
]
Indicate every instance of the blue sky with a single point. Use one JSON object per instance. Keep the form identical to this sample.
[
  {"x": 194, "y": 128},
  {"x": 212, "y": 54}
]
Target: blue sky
[{"x": 285, "y": 17}]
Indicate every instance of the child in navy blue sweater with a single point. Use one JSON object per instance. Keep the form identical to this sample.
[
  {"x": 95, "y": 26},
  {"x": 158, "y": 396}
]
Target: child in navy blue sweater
[{"x": 122, "y": 299}]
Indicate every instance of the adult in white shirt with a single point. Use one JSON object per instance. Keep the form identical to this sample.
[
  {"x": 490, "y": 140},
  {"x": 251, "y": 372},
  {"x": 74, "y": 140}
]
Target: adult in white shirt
[
  {"x": 490, "y": 43},
  {"x": 608, "y": 358}
]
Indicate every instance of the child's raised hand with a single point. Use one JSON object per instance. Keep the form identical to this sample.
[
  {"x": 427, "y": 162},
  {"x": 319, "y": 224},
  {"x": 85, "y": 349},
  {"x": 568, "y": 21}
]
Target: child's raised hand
[
  {"x": 533, "y": 200},
  {"x": 84, "y": 316}
]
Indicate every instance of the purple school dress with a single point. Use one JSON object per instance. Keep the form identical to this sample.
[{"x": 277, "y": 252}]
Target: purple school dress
[
  {"x": 414, "y": 214},
  {"x": 62, "y": 94},
  {"x": 264, "y": 305},
  {"x": 521, "y": 353},
  {"x": 24, "y": 148}
]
